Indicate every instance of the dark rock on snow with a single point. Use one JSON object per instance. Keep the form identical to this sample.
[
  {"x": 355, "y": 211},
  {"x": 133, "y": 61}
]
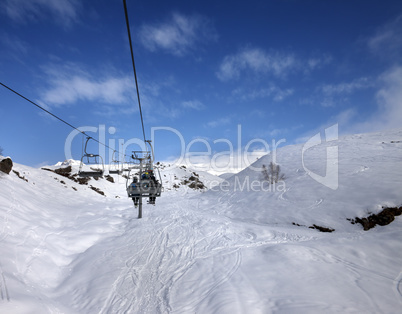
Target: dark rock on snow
[
  {"x": 385, "y": 217},
  {"x": 6, "y": 165}
]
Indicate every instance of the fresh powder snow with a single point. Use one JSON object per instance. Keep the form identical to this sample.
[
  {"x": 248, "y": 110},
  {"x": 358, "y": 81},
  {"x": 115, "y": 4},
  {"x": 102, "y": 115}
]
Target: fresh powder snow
[{"x": 229, "y": 246}]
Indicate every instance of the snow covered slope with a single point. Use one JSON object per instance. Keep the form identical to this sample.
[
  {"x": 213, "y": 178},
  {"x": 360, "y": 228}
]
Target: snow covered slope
[
  {"x": 369, "y": 177},
  {"x": 66, "y": 248}
]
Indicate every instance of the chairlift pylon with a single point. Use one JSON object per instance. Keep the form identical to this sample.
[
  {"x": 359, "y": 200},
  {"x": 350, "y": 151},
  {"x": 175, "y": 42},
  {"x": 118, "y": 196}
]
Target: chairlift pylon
[{"x": 92, "y": 159}]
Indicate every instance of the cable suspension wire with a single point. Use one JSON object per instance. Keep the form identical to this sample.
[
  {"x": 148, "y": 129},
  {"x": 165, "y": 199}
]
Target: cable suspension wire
[
  {"x": 136, "y": 85},
  {"x": 53, "y": 115},
  {"x": 40, "y": 107},
  {"x": 135, "y": 73}
]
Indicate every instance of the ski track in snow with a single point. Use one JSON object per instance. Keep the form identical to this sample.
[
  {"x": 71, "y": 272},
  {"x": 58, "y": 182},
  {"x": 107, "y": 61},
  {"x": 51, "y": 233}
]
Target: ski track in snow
[
  {"x": 359, "y": 272},
  {"x": 14, "y": 204},
  {"x": 141, "y": 274},
  {"x": 3, "y": 286},
  {"x": 166, "y": 257},
  {"x": 398, "y": 286},
  {"x": 282, "y": 197},
  {"x": 177, "y": 258}
]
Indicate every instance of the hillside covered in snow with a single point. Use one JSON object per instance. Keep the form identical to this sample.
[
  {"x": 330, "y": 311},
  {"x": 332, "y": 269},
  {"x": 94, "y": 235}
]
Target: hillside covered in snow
[{"x": 210, "y": 244}]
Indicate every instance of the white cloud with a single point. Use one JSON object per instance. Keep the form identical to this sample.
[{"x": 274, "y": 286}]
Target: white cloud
[
  {"x": 109, "y": 93},
  {"x": 276, "y": 93},
  {"x": 64, "y": 12},
  {"x": 258, "y": 61},
  {"x": 318, "y": 62},
  {"x": 388, "y": 114},
  {"x": 389, "y": 99},
  {"x": 109, "y": 90},
  {"x": 219, "y": 122},
  {"x": 387, "y": 42},
  {"x": 275, "y": 63},
  {"x": 193, "y": 104},
  {"x": 330, "y": 94},
  {"x": 178, "y": 35},
  {"x": 346, "y": 88},
  {"x": 70, "y": 84},
  {"x": 281, "y": 94}
]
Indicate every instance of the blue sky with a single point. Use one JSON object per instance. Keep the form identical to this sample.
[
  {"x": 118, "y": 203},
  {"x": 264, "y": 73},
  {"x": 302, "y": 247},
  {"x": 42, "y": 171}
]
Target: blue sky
[{"x": 281, "y": 69}]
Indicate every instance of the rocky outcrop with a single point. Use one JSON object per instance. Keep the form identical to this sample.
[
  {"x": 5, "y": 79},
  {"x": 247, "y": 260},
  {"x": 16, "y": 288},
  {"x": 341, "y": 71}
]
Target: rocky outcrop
[
  {"x": 109, "y": 178},
  {"x": 66, "y": 172},
  {"x": 6, "y": 165},
  {"x": 194, "y": 182},
  {"x": 385, "y": 217}
]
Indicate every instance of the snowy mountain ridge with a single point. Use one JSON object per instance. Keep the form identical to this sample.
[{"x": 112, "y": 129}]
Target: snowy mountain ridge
[
  {"x": 231, "y": 248},
  {"x": 68, "y": 162}
]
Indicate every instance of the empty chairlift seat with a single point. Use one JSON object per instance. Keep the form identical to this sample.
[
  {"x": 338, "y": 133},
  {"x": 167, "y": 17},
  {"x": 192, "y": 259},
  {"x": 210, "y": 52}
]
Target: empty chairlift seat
[
  {"x": 115, "y": 167},
  {"x": 93, "y": 166}
]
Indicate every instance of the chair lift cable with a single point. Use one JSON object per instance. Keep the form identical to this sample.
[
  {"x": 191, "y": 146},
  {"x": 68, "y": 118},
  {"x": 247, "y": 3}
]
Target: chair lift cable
[
  {"x": 40, "y": 107},
  {"x": 136, "y": 84},
  {"x": 135, "y": 73},
  {"x": 53, "y": 115}
]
